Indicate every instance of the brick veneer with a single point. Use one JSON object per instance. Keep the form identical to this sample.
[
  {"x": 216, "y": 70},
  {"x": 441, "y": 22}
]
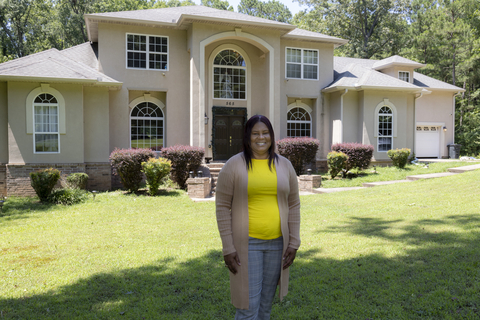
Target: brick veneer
[
  {"x": 18, "y": 176},
  {"x": 199, "y": 187},
  {"x": 3, "y": 180}
]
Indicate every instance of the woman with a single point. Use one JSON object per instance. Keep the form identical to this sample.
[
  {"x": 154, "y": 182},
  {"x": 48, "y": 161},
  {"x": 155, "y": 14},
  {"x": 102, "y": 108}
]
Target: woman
[{"x": 258, "y": 216}]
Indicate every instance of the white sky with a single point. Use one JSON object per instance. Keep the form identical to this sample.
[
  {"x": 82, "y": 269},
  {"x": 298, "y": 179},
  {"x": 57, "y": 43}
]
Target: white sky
[{"x": 294, "y": 7}]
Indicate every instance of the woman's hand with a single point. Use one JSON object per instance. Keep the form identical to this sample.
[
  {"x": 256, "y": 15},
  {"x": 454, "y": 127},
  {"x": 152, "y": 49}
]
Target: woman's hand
[
  {"x": 231, "y": 262},
  {"x": 288, "y": 257}
]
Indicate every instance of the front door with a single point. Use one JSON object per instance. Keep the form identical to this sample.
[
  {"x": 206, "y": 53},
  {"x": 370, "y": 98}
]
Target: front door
[{"x": 228, "y": 126}]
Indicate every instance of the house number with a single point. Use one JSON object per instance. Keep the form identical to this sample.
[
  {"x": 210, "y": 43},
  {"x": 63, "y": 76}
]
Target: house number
[{"x": 230, "y": 103}]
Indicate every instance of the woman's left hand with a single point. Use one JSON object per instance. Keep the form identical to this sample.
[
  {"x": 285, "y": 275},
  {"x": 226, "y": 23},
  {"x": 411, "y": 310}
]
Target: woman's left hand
[{"x": 288, "y": 257}]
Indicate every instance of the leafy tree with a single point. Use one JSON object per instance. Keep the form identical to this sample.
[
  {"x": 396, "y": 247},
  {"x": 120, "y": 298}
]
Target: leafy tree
[
  {"x": 272, "y": 10},
  {"x": 374, "y": 28},
  {"x": 217, "y": 4}
]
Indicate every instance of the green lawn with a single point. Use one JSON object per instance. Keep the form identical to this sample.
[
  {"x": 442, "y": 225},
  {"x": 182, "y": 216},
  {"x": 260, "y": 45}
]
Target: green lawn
[
  {"x": 405, "y": 251},
  {"x": 389, "y": 173}
]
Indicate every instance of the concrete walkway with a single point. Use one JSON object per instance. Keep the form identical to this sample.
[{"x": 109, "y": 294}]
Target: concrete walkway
[{"x": 452, "y": 171}]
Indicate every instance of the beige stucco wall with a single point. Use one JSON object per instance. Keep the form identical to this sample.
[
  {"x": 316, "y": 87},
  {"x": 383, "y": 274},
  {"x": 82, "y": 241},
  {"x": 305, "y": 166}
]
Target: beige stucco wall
[
  {"x": 393, "y": 71},
  {"x": 174, "y": 83},
  {"x": 3, "y": 123},
  {"x": 350, "y": 117},
  {"x": 21, "y": 143},
  {"x": 335, "y": 128},
  {"x": 96, "y": 120}
]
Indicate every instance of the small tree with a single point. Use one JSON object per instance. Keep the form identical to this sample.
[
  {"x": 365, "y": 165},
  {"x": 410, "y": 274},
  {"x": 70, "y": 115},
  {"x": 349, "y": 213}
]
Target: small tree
[
  {"x": 184, "y": 159},
  {"x": 127, "y": 163},
  {"x": 359, "y": 155},
  {"x": 399, "y": 157},
  {"x": 43, "y": 182},
  {"x": 336, "y": 161},
  {"x": 300, "y": 151},
  {"x": 77, "y": 180},
  {"x": 155, "y": 170}
]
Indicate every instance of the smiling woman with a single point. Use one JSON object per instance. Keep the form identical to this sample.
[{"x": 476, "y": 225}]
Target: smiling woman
[{"x": 258, "y": 216}]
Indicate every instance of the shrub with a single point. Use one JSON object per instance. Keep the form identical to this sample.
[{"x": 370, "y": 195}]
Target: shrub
[
  {"x": 336, "y": 161},
  {"x": 300, "y": 151},
  {"x": 359, "y": 155},
  {"x": 68, "y": 196},
  {"x": 43, "y": 182},
  {"x": 77, "y": 180},
  {"x": 155, "y": 170},
  {"x": 399, "y": 157},
  {"x": 127, "y": 163},
  {"x": 184, "y": 159}
]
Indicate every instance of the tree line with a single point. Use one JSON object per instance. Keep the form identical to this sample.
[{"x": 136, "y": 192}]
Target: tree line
[{"x": 443, "y": 34}]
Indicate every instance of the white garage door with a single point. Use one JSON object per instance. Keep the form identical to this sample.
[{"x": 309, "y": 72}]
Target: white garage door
[{"x": 427, "y": 144}]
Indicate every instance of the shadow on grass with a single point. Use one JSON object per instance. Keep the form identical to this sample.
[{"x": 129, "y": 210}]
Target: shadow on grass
[
  {"x": 20, "y": 207},
  {"x": 437, "y": 278}
]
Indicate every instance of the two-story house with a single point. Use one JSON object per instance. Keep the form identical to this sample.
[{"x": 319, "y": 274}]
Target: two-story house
[{"x": 192, "y": 76}]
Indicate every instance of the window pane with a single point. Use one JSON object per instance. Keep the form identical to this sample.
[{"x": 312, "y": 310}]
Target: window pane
[
  {"x": 294, "y": 55},
  {"x": 309, "y": 72},
  {"x": 294, "y": 71}
]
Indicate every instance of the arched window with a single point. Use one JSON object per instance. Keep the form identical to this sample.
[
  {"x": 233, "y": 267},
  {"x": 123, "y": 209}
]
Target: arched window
[
  {"x": 299, "y": 123},
  {"x": 146, "y": 126},
  {"x": 46, "y": 129},
  {"x": 385, "y": 129},
  {"x": 229, "y": 75}
]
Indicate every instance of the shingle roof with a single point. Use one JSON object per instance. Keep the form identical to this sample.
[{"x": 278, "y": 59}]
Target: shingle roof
[
  {"x": 53, "y": 65},
  {"x": 397, "y": 61},
  {"x": 182, "y": 17},
  {"x": 359, "y": 74}
]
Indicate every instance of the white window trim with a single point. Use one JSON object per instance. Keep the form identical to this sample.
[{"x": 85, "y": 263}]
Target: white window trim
[
  {"x": 302, "y": 63},
  {"x": 246, "y": 68},
  {"x": 407, "y": 72},
  {"x": 35, "y": 133},
  {"x": 386, "y": 103},
  {"x": 30, "y": 112},
  {"x": 299, "y": 104},
  {"x": 147, "y": 51},
  {"x": 146, "y": 98}
]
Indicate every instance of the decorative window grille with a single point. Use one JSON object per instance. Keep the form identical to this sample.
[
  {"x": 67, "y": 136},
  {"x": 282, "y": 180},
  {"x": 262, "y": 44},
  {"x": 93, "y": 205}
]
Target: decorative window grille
[
  {"x": 46, "y": 128},
  {"x": 147, "y": 127},
  {"x": 229, "y": 75},
  {"x": 299, "y": 123},
  {"x": 385, "y": 129}
]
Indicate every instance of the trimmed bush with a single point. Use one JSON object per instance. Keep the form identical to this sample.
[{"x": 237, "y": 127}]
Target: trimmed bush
[
  {"x": 336, "y": 161},
  {"x": 68, "y": 196},
  {"x": 184, "y": 159},
  {"x": 43, "y": 182},
  {"x": 300, "y": 151},
  {"x": 127, "y": 163},
  {"x": 77, "y": 180},
  {"x": 155, "y": 170},
  {"x": 399, "y": 157},
  {"x": 359, "y": 155}
]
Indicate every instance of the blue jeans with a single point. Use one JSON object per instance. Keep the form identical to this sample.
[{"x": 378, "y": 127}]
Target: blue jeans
[{"x": 264, "y": 267}]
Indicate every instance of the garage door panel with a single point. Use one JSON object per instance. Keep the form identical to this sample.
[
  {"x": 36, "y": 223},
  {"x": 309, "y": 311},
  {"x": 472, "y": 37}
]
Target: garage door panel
[{"x": 427, "y": 143}]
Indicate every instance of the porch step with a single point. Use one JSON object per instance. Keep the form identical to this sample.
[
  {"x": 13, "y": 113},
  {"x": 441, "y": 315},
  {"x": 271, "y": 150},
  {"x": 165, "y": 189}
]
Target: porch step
[{"x": 215, "y": 169}]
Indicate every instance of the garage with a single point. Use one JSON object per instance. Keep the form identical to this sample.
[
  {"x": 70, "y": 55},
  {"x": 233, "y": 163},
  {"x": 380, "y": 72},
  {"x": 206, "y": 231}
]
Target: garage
[{"x": 427, "y": 141}]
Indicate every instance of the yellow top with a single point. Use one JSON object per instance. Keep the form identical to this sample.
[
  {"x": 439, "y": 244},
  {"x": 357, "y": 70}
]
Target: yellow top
[{"x": 263, "y": 212}]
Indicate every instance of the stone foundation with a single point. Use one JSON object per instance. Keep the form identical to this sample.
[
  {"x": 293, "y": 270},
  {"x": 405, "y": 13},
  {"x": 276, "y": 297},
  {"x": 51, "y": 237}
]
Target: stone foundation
[
  {"x": 18, "y": 176},
  {"x": 199, "y": 187},
  {"x": 309, "y": 183}
]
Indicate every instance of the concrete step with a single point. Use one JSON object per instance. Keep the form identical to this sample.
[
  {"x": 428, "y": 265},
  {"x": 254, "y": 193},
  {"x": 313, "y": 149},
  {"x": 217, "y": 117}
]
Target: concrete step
[
  {"x": 465, "y": 168},
  {"x": 430, "y": 176},
  {"x": 331, "y": 190},
  {"x": 382, "y": 183}
]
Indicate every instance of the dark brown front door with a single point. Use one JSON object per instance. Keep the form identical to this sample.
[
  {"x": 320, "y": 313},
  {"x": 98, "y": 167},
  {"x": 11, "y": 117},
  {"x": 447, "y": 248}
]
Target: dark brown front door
[{"x": 228, "y": 131}]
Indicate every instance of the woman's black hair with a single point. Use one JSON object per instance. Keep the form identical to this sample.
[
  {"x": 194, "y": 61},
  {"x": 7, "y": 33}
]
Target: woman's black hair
[{"x": 247, "y": 148}]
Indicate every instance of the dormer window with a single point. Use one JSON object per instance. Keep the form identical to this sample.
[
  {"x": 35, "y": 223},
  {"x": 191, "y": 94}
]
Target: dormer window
[{"x": 404, "y": 75}]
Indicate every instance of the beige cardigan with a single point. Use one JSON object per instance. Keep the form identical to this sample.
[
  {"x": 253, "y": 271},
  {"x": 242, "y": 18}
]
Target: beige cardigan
[{"x": 231, "y": 200}]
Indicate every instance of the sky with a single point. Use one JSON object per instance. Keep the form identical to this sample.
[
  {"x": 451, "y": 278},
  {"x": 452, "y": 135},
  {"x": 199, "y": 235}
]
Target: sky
[{"x": 294, "y": 7}]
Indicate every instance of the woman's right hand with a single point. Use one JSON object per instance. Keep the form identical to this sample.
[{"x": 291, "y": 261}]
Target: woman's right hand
[{"x": 231, "y": 262}]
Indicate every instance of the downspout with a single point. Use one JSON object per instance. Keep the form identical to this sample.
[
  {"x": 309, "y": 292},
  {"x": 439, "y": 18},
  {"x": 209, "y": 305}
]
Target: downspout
[
  {"x": 341, "y": 115},
  {"x": 453, "y": 115},
  {"x": 415, "y": 121}
]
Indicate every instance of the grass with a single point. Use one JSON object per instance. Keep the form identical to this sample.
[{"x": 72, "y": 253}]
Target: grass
[
  {"x": 406, "y": 251},
  {"x": 389, "y": 174}
]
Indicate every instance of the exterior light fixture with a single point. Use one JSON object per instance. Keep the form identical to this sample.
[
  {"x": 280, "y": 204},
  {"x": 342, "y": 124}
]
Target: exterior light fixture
[
  {"x": 191, "y": 174},
  {"x": 309, "y": 172},
  {"x": 94, "y": 192},
  {"x": 206, "y": 118},
  {"x": 374, "y": 169},
  {"x": 444, "y": 129},
  {"x": 200, "y": 174}
]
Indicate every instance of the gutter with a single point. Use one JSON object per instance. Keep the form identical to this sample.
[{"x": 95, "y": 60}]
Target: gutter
[
  {"x": 453, "y": 113},
  {"x": 415, "y": 121}
]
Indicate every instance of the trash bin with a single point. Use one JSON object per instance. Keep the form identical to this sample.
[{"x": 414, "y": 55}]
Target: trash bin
[{"x": 454, "y": 151}]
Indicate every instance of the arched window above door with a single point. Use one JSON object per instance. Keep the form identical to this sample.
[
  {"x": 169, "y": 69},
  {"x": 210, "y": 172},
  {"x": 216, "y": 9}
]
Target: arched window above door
[
  {"x": 229, "y": 75},
  {"x": 147, "y": 126},
  {"x": 299, "y": 123}
]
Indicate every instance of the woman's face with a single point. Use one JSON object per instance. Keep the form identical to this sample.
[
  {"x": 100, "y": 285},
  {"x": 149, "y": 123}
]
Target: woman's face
[{"x": 260, "y": 141}]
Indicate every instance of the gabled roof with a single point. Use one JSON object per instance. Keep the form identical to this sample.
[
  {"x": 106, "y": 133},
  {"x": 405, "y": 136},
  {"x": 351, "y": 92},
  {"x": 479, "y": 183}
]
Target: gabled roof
[
  {"x": 396, "y": 61},
  {"x": 183, "y": 17},
  {"x": 360, "y": 74},
  {"x": 57, "y": 66}
]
